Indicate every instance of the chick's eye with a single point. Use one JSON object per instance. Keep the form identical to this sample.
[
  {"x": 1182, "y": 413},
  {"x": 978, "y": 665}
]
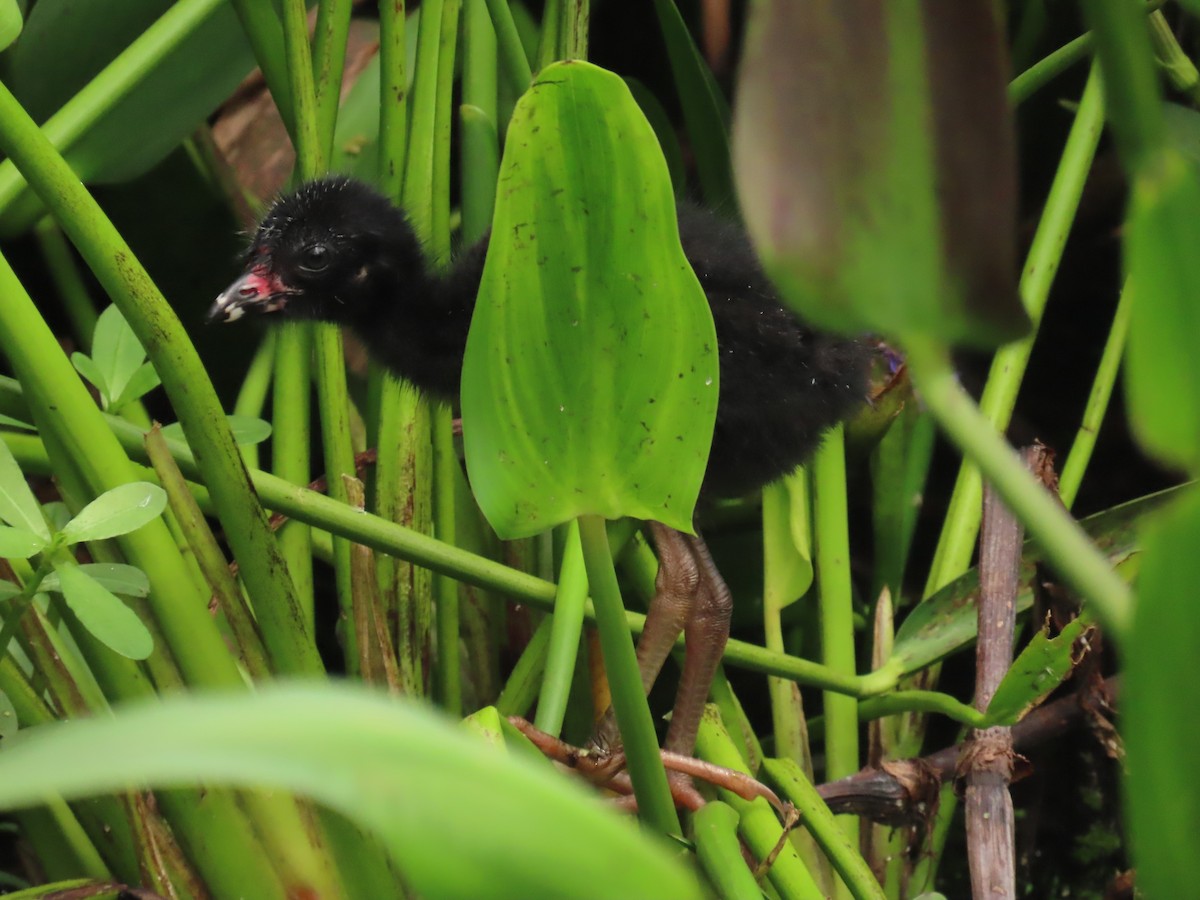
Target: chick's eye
[{"x": 315, "y": 258}]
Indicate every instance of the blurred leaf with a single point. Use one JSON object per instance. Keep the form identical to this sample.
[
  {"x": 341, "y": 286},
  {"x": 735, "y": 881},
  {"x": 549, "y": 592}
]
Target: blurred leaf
[
  {"x": 10, "y": 422},
  {"x": 874, "y": 156},
  {"x": 123, "y": 509},
  {"x": 105, "y": 616},
  {"x": 18, "y": 506},
  {"x": 247, "y": 430},
  {"x": 590, "y": 380},
  {"x": 1159, "y": 697},
  {"x": 787, "y": 550},
  {"x": 664, "y": 130},
  {"x": 1183, "y": 130},
  {"x": 129, "y": 581},
  {"x": 116, "y": 353},
  {"x": 67, "y": 42},
  {"x": 10, "y": 26},
  {"x": 17, "y": 543},
  {"x": 8, "y": 590},
  {"x": 57, "y": 514},
  {"x": 459, "y": 801},
  {"x": 1039, "y": 669},
  {"x": 705, "y": 111},
  {"x": 8, "y": 717},
  {"x": 1162, "y": 373}
]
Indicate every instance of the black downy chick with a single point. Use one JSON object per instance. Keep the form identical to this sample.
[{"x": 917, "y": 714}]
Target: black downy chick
[{"x": 338, "y": 251}]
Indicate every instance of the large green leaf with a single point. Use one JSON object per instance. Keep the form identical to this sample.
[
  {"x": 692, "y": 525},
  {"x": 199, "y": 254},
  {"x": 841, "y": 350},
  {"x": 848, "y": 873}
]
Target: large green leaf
[
  {"x": 590, "y": 381},
  {"x": 11, "y": 21},
  {"x": 1162, "y": 374},
  {"x": 1159, "y": 699},
  {"x": 67, "y": 42},
  {"x": 460, "y": 818},
  {"x": 875, "y": 164}
]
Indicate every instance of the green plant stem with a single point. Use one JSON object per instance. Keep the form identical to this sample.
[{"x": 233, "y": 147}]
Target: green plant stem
[
  {"x": 252, "y": 395},
  {"x": 305, "y": 136},
  {"x": 329, "y": 62},
  {"x": 480, "y": 160},
  {"x": 720, "y": 853},
  {"x": 64, "y": 270},
  {"x": 393, "y": 98},
  {"x": 1097, "y": 403},
  {"x": 758, "y": 824},
  {"x": 1178, "y": 66},
  {"x": 512, "y": 52},
  {"x": 263, "y": 29},
  {"x": 793, "y": 785},
  {"x": 208, "y": 555},
  {"x": 961, "y": 525},
  {"x": 569, "y": 604},
  {"x": 185, "y": 381},
  {"x": 521, "y": 689},
  {"x": 291, "y": 449},
  {"x": 830, "y": 520},
  {"x": 655, "y": 805},
  {"x": 1067, "y": 548},
  {"x": 445, "y": 466},
  {"x": 405, "y": 543}
]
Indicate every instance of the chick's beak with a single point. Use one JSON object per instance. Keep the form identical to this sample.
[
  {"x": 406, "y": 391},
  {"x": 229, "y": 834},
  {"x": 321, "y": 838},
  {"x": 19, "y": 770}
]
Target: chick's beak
[{"x": 258, "y": 290}]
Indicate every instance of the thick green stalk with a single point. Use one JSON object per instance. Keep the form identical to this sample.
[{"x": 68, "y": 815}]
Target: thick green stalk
[
  {"x": 183, "y": 376},
  {"x": 1067, "y": 548},
  {"x": 64, "y": 270},
  {"x": 480, "y": 159},
  {"x": 445, "y": 466},
  {"x": 835, "y": 596},
  {"x": 329, "y": 63},
  {"x": 961, "y": 525},
  {"x": 393, "y": 98},
  {"x": 655, "y": 805},
  {"x": 521, "y": 689},
  {"x": 512, "y": 52},
  {"x": 569, "y": 604}
]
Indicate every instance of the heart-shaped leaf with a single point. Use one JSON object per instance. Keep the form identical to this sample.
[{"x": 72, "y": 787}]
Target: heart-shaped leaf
[
  {"x": 119, "y": 511},
  {"x": 590, "y": 380},
  {"x": 108, "y": 619},
  {"x": 413, "y": 778}
]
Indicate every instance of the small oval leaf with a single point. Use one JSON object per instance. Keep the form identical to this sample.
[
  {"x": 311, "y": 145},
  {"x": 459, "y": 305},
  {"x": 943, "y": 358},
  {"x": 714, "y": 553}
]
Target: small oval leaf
[
  {"x": 17, "y": 543},
  {"x": 107, "y": 619},
  {"x": 86, "y": 366},
  {"x": 18, "y": 506},
  {"x": 119, "y": 511},
  {"x": 129, "y": 581},
  {"x": 247, "y": 430},
  {"x": 590, "y": 379},
  {"x": 115, "y": 352},
  {"x": 142, "y": 381}
]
